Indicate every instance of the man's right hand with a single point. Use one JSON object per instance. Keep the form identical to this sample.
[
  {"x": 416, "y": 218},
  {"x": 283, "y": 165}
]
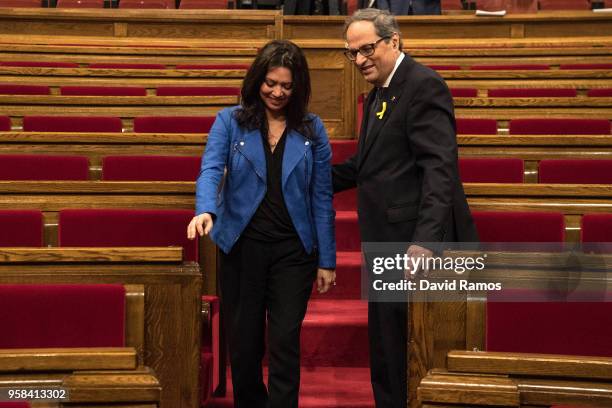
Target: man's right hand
[{"x": 202, "y": 224}]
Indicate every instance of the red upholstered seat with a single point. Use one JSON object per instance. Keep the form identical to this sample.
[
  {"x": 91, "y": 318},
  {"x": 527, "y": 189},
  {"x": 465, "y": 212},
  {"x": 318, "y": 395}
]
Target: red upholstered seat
[
  {"x": 71, "y": 124},
  {"x": 21, "y": 228},
  {"x": 212, "y": 66},
  {"x": 173, "y": 124},
  {"x": 80, "y": 4},
  {"x": 565, "y": 4},
  {"x": 509, "y": 67},
  {"x": 151, "y": 168},
  {"x": 127, "y": 227},
  {"x": 559, "y": 127},
  {"x": 577, "y": 171},
  {"x": 5, "y": 124},
  {"x": 103, "y": 90},
  {"x": 600, "y": 92},
  {"x": 351, "y": 6},
  {"x": 203, "y": 4},
  {"x": 532, "y": 92},
  {"x": 491, "y": 170},
  {"x": 596, "y": 233},
  {"x": 585, "y": 66},
  {"x": 197, "y": 91},
  {"x": 464, "y": 92},
  {"x": 10, "y": 89},
  {"x": 451, "y": 5},
  {"x": 47, "y": 316},
  {"x": 115, "y": 65},
  {"x": 476, "y": 126},
  {"x": 516, "y": 226},
  {"x": 146, "y": 4},
  {"x": 20, "y": 3},
  {"x": 43, "y": 167},
  {"x": 41, "y": 64},
  {"x": 15, "y": 405},
  {"x": 530, "y": 321},
  {"x": 445, "y": 67}
]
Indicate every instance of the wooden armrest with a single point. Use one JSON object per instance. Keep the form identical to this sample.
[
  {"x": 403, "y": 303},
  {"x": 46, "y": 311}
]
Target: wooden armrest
[
  {"x": 552, "y": 365},
  {"x": 68, "y": 359},
  {"x": 469, "y": 389}
]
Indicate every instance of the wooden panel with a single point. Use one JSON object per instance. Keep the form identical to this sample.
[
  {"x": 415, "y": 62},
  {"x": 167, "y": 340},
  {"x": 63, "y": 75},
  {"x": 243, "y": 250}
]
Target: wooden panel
[
  {"x": 549, "y": 392},
  {"x": 112, "y": 386},
  {"x": 80, "y": 255},
  {"x": 568, "y": 28},
  {"x": 28, "y": 26},
  {"x": 465, "y": 390},
  {"x": 530, "y": 364},
  {"x": 556, "y": 24},
  {"x": 135, "y": 319},
  {"x": 468, "y": 390},
  {"x": 475, "y": 322},
  {"x": 68, "y": 359},
  {"x": 219, "y": 24}
]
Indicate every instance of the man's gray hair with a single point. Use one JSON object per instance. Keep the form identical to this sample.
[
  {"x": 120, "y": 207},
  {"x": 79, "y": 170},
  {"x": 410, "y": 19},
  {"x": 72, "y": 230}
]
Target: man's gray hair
[{"x": 384, "y": 22}]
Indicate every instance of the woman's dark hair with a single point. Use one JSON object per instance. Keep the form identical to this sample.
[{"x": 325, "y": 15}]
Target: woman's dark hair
[{"x": 277, "y": 53}]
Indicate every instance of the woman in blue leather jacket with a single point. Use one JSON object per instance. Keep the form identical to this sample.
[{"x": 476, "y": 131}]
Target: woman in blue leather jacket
[{"x": 265, "y": 196}]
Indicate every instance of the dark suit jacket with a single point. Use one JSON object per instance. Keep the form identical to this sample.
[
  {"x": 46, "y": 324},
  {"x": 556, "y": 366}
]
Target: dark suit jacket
[
  {"x": 402, "y": 7},
  {"x": 406, "y": 173}
]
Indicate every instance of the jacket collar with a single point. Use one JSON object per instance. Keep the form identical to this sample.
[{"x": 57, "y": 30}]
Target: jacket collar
[{"x": 252, "y": 148}]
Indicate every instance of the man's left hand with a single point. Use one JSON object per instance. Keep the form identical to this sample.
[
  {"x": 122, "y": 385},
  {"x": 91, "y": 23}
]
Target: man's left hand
[{"x": 414, "y": 267}]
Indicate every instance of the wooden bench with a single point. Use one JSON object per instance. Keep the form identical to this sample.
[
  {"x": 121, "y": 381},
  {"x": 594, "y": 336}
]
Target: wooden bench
[
  {"x": 520, "y": 26},
  {"x": 93, "y": 375},
  {"x": 171, "y": 318},
  {"x": 465, "y": 377},
  {"x": 530, "y": 148},
  {"x": 125, "y": 107},
  {"x": 50, "y": 197}
]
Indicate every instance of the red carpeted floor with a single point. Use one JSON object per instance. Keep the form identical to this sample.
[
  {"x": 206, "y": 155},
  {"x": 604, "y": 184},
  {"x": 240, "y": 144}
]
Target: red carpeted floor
[{"x": 335, "y": 357}]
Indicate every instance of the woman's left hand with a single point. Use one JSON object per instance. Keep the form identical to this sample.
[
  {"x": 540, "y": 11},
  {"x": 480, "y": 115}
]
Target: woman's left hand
[{"x": 325, "y": 279}]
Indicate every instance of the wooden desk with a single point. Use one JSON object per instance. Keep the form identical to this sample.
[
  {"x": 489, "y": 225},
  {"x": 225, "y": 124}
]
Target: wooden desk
[{"x": 172, "y": 301}]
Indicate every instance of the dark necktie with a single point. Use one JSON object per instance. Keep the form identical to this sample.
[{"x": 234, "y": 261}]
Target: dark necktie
[{"x": 375, "y": 107}]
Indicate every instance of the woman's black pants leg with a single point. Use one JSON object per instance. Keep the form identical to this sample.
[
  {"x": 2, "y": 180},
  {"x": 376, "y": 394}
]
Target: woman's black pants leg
[{"x": 258, "y": 279}]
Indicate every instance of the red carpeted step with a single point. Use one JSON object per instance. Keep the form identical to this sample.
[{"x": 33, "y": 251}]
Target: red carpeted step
[
  {"x": 335, "y": 333},
  {"x": 346, "y": 200},
  {"x": 339, "y": 387},
  {"x": 348, "y": 278},
  {"x": 347, "y": 231},
  {"x": 323, "y": 387}
]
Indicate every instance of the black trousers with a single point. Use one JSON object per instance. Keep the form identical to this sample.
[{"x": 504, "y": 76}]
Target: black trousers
[
  {"x": 388, "y": 333},
  {"x": 266, "y": 281}
]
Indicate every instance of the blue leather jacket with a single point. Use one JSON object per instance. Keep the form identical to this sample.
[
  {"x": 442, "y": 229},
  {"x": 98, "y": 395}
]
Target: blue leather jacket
[{"x": 306, "y": 184}]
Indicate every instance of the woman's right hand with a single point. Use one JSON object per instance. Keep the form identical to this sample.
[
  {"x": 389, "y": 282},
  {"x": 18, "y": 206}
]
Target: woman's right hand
[{"x": 202, "y": 224}]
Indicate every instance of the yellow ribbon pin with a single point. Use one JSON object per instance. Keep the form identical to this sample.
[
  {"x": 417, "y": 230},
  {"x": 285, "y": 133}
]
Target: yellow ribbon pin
[{"x": 382, "y": 112}]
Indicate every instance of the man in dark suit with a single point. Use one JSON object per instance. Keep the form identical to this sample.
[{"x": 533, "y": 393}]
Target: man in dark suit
[
  {"x": 406, "y": 175},
  {"x": 405, "y": 7}
]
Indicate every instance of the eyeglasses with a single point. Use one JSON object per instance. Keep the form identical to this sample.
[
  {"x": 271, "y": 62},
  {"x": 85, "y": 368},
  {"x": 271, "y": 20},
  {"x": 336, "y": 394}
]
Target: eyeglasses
[{"x": 365, "y": 50}]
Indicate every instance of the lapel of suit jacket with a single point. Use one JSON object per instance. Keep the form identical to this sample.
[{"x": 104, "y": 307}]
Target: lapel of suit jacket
[
  {"x": 364, "y": 122},
  {"x": 391, "y": 97},
  {"x": 296, "y": 146},
  {"x": 251, "y": 147}
]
